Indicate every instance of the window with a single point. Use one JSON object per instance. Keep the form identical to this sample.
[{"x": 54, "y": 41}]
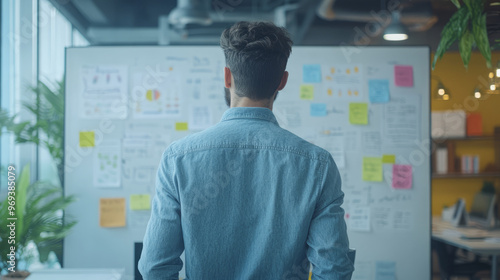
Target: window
[
  {"x": 34, "y": 37},
  {"x": 55, "y": 34}
]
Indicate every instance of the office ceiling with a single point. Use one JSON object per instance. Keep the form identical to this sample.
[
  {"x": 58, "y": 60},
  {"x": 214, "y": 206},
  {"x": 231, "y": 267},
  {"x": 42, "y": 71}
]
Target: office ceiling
[{"x": 311, "y": 22}]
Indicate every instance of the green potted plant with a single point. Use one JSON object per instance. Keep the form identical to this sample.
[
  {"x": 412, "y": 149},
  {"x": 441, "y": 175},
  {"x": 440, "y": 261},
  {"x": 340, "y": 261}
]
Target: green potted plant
[
  {"x": 38, "y": 209},
  {"x": 468, "y": 26},
  {"x": 48, "y": 110}
]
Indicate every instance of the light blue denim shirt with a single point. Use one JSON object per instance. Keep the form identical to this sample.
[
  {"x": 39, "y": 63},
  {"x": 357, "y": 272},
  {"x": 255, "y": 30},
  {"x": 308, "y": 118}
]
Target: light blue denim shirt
[{"x": 246, "y": 199}]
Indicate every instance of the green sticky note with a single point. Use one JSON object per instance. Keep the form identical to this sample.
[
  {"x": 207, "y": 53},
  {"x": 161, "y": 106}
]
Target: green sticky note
[
  {"x": 87, "y": 139},
  {"x": 140, "y": 202},
  {"x": 389, "y": 159},
  {"x": 307, "y": 92},
  {"x": 181, "y": 126},
  {"x": 358, "y": 113},
  {"x": 372, "y": 169}
]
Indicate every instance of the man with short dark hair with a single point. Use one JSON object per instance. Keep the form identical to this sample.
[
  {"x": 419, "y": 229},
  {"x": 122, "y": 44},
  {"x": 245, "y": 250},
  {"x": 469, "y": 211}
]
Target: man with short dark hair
[{"x": 246, "y": 199}]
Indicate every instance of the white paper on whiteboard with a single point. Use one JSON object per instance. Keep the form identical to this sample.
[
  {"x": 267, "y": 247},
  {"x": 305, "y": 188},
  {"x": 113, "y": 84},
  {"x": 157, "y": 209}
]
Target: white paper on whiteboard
[
  {"x": 401, "y": 121},
  {"x": 104, "y": 92},
  {"x": 359, "y": 218},
  {"x": 107, "y": 165}
]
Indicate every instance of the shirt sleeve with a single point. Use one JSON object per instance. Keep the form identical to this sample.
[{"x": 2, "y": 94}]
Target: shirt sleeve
[
  {"x": 163, "y": 243},
  {"x": 327, "y": 241}
]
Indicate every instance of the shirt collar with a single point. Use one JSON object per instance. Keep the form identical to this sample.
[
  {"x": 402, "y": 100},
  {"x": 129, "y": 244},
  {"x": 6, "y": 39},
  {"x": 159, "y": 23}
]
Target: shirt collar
[{"x": 249, "y": 113}]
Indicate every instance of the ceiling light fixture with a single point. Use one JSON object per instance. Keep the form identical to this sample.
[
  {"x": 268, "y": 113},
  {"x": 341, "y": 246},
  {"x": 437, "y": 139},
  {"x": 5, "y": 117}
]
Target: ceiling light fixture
[
  {"x": 189, "y": 12},
  {"x": 477, "y": 93},
  {"x": 494, "y": 81},
  {"x": 396, "y": 31},
  {"x": 442, "y": 92}
]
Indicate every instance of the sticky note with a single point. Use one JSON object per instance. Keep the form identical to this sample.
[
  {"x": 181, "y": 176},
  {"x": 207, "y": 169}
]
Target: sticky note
[
  {"x": 140, "y": 202},
  {"x": 401, "y": 176},
  {"x": 87, "y": 139},
  {"x": 372, "y": 169},
  {"x": 389, "y": 159},
  {"x": 112, "y": 212},
  {"x": 180, "y": 126},
  {"x": 378, "y": 91},
  {"x": 403, "y": 75},
  {"x": 307, "y": 92},
  {"x": 385, "y": 270},
  {"x": 358, "y": 113},
  {"x": 318, "y": 109},
  {"x": 311, "y": 73}
]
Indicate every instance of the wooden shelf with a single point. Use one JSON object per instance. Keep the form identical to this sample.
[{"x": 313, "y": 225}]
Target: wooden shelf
[{"x": 466, "y": 175}]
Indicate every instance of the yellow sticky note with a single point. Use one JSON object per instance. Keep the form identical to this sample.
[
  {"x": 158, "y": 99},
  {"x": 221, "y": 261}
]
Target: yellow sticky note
[
  {"x": 358, "y": 113},
  {"x": 140, "y": 202},
  {"x": 307, "y": 92},
  {"x": 181, "y": 126},
  {"x": 112, "y": 212},
  {"x": 389, "y": 159},
  {"x": 87, "y": 139},
  {"x": 372, "y": 169}
]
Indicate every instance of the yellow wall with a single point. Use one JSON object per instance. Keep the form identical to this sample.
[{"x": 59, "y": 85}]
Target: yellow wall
[{"x": 461, "y": 83}]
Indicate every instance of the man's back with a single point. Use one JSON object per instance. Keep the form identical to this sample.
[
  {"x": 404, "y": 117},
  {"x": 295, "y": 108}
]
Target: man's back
[{"x": 247, "y": 200}]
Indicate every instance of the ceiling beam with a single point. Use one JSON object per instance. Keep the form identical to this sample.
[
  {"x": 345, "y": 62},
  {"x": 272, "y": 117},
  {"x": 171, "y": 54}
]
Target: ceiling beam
[{"x": 122, "y": 36}]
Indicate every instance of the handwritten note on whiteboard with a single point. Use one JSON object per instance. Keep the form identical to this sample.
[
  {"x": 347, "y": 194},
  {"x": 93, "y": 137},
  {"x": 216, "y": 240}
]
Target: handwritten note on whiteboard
[
  {"x": 378, "y": 91},
  {"x": 107, "y": 165},
  {"x": 372, "y": 169},
  {"x": 311, "y": 73},
  {"x": 401, "y": 176},
  {"x": 401, "y": 121},
  {"x": 140, "y": 202},
  {"x": 87, "y": 139},
  {"x": 318, "y": 109},
  {"x": 307, "y": 92},
  {"x": 359, "y": 219},
  {"x": 104, "y": 92},
  {"x": 112, "y": 212},
  {"x": 403, "y": 75},
  {"x": 358, "y": 113}
]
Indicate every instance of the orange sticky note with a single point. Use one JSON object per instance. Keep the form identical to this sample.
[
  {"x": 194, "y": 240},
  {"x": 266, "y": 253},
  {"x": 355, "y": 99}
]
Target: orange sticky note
[{"x": 112, "y": 212}]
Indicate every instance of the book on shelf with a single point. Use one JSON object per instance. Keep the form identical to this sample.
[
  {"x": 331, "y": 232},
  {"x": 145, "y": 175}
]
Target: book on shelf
[
  {"x": 470, "y": 164},
  {"x": 474, "y": 124},
  {"x": 441, "y": 160}
]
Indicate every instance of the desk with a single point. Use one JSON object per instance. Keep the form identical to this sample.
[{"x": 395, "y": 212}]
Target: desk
[
  {"x": 76, "y": 274},
  {"x": 446, "y": 233}
]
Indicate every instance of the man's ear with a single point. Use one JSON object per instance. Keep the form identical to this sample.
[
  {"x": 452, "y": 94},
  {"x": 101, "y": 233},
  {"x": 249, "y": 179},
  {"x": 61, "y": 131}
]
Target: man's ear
[
  {"x": 227, "y": 77},
  {"x": 284, "y": 79}
]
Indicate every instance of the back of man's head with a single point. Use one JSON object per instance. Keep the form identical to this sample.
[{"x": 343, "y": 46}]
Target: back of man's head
[{"x": 256, "y": 53}]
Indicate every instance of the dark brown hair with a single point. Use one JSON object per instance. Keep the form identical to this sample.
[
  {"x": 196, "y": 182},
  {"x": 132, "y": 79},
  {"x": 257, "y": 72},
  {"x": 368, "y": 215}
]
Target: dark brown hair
[{"x": 256, "y": 53}]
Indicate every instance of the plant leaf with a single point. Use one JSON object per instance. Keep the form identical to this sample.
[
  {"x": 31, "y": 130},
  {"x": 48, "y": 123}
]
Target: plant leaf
[
  {"x": 465, "y": 47},
  {"x": 457, "y": 4},
  {"x": 452, "y": 31},
  {"x": 481, "y": 38},
  {"x": 21, "y": 197}
]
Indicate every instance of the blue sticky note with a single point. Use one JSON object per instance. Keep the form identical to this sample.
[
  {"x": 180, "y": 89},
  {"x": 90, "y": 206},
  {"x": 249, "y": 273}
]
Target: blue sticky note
[
  {"x": 385, "y": 270},
  {"x": 318, "y": 109},
  {"x": 311, "y": 73},
  {"x": 378, "y": 91}
]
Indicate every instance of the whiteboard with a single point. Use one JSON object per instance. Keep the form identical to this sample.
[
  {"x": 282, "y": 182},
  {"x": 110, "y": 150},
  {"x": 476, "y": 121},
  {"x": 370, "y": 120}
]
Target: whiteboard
[{"x": 365, "y": 105}]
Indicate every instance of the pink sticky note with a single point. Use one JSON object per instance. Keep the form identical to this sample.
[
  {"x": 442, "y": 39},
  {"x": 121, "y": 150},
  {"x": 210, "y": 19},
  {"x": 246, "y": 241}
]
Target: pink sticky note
[
  {"x": 401, "y": 176},
  {"x": 403, "y": 75}
]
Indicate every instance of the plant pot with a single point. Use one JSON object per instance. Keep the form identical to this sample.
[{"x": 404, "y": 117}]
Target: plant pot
[{"x": 18, "y": 275}]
